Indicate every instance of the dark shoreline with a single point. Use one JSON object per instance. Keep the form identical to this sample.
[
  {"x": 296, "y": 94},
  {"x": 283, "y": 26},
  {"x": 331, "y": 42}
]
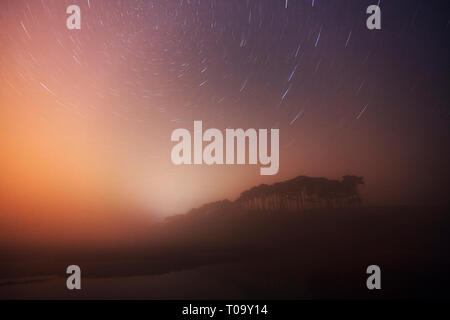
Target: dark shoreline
[{"x": 275, "y": 256}]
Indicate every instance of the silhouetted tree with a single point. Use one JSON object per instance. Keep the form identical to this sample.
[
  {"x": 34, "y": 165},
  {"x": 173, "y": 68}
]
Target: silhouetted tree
[
  {"x": 295, "y": 193},
  {"x": 351, "y": 185}
]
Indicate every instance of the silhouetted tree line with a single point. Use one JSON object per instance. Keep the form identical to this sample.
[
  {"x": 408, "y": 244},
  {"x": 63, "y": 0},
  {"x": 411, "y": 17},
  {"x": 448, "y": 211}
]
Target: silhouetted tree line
[
  {"x": 302, "y": 192},
  {"x": 296, "y": 194}
]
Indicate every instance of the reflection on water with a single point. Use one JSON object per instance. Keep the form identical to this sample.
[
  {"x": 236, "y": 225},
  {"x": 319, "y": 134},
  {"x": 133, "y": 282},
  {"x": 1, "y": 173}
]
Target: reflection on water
[
  {"x": 24, "y": 280},
  {"x": 191, "y": 284}
]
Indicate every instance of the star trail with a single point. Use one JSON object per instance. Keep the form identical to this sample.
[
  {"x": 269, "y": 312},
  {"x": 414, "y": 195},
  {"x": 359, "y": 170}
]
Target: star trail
[{"x": 104, "y": 99}]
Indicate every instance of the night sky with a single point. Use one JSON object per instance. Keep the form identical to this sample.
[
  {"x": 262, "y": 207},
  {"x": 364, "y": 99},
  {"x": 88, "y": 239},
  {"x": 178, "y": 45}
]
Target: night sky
[{"x": 86, "y": 115}]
